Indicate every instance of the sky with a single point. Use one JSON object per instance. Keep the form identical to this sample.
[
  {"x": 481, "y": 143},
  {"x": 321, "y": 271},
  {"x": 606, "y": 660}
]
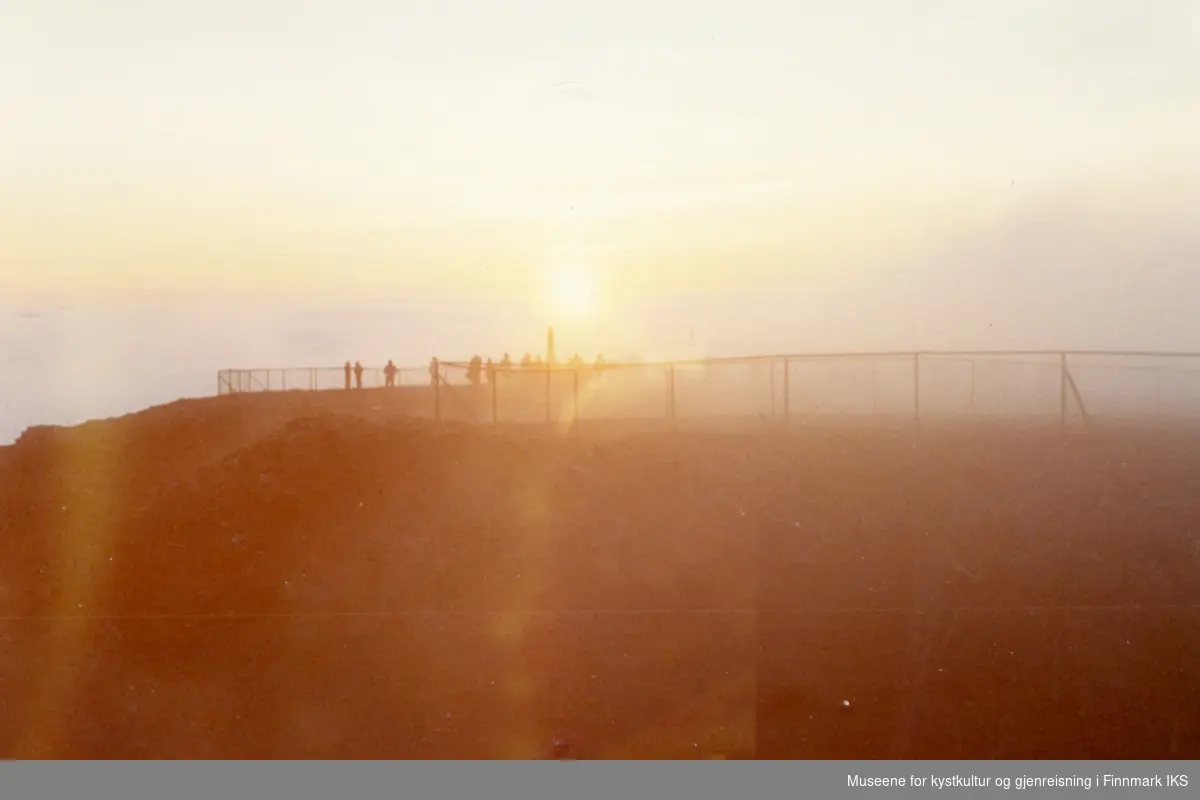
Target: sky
[{"x": 976, "y": 174}]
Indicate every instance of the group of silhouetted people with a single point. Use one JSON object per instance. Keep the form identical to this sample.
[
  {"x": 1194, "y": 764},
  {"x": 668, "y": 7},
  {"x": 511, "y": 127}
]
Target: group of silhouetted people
[
  {"x": 477, "y": 369},
  {"x": 356, "y": 369}
]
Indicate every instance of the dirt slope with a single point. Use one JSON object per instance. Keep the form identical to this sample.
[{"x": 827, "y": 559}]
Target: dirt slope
[{"x": 285, "y": 579}]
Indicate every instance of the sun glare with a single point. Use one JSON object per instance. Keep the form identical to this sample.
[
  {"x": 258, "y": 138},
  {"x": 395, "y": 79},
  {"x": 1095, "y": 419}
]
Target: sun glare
[{"x": 572, "y": 291}]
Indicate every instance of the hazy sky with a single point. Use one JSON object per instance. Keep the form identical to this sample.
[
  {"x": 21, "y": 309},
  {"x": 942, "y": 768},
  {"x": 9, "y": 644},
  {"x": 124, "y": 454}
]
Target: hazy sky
[
  {"x": 860, "y": 174},
  {"x": 380, "y": 146}
]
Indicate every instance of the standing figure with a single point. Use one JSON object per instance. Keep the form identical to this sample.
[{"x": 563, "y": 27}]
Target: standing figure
[
  {"x": 348, "y": 375},
  {"x": 358, "y": 370},
  {"x": 389, "y": 374}
]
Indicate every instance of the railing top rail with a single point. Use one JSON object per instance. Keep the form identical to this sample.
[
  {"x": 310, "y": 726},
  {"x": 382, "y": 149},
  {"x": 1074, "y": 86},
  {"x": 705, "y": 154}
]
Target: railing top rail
[
  {"x": 338, "y": 368},
  {"x": 846, "y": 355}
]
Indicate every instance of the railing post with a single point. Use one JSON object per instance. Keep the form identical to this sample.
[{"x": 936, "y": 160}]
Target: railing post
[
  {"x": 771, "y": 372},
  {"x": 874, "y": 387},
  {"x": 974, "y": 410},
  {"x": 917, "y": 389},
  {"x": 436, "y": 374},
  {"x": 787, "y": 392},
  {"x": 1062, "y": 392},
  {"x": 671, "y": 391}
]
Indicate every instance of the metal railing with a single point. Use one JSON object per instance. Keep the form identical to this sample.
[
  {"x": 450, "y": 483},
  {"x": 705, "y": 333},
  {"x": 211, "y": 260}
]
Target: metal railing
[
  {"x": 234, "y": 381},
  {"x": 1067, "y": 387}
]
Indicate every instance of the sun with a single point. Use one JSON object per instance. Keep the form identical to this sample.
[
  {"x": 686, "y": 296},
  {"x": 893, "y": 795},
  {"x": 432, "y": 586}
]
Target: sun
[{"x": 571, "y": 290}]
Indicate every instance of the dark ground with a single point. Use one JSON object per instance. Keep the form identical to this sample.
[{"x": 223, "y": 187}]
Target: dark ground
[{"x": 255, "y": 577}]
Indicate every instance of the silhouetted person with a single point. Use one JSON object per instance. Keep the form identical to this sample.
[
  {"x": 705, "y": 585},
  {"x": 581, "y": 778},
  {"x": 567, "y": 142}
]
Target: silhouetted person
[
  {"x": 475, "y": 370},
  {"x": 389, "y": 374},
  {"x": 358, "y": 371},
  {"x": 348, "y": 368},
  {"x": 490, "y": 370},
  {"x": 506, "y": 362},
  {"x": 527, "y": 360}
]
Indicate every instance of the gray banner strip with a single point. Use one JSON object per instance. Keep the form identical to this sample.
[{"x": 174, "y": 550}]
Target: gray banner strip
[{"x": 694, "y": 781}]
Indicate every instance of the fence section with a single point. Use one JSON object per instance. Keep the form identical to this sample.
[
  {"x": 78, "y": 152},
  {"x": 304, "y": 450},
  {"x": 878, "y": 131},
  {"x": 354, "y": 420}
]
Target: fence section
[{"x": 1066, "y": 387}]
